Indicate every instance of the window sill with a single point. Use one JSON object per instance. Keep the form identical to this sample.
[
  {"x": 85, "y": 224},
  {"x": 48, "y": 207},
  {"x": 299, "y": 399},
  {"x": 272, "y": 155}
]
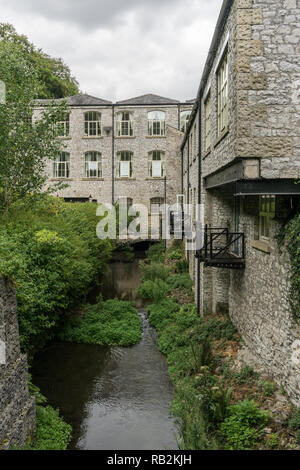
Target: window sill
[
  {"x": 155, "y": 178},
  {"x": 92, "y": 179},
  {"x": 92, "y": 137},
  {"x": 261, "y": 246},
  {"x": 155, "y": 136},
  {"x": 61, "y": 179},
  {"x": 125, "y": 137},
  {"x": 221, "y": 136},
  {"x": 125, "y": 178}
]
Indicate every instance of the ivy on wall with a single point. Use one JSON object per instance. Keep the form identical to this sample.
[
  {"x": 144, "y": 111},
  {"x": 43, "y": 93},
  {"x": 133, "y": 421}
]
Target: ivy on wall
[{"x": 292, "y": 232}]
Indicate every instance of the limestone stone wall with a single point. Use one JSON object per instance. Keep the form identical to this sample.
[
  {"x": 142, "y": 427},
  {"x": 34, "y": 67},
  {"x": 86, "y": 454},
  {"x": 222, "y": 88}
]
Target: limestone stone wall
[
  {"x": 141, "y": 187},
  {"x": 259, "y": 307},
  {"x": 262, "y": 38},
  {"x": 17, "y": 408}
]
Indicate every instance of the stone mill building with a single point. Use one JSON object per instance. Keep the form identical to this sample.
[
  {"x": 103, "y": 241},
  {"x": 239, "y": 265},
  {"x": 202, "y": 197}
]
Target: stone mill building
[{"x": 235, "y": 149}]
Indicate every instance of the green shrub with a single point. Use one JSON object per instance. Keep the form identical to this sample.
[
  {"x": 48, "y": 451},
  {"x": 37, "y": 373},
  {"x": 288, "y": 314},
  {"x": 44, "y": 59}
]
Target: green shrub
[
  {"x": 175, "y": 255},
  {"x": 268, "y": 388},
  {"x": 156, "y": 252},
  {"x": 180, "y": 280},
  {"x": 52, "y": 254},
  {"x": 181, "y": 266},
  {"x": 162, "y": 313},
  {"x": 292, "y": 232},
  {"x": 294, "y": 421},
  {"x": 155, "y": 291},
  {"x": 187, "y": 316},
  {"x": 187, "y": 408},
  {"x": 246, "y": 375},
  {"x": 243, "y": 427},
  {"x": 52, "y": 432},
  {"x": 112, "y": 323},
  {"x": 154, "y": 271}
]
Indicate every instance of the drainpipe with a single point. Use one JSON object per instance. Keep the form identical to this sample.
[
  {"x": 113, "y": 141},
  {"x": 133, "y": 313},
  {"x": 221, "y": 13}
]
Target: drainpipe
[
  {"x": 199, "y": 195},
  {"x": 166, "y": 212},
  {"x": 113, "y": 156},
  {"x": 179, "y": 110}
]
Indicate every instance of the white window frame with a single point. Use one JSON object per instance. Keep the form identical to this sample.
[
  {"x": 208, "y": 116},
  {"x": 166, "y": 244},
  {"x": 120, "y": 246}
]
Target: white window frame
[
  {"x": 154, "y": 123},
  {"x": 222, "y": 94},
  {"x": 61, "y": 166},
  {"x": 90, "y": 123},
  {"x": 97, "y": 163},
  {"x": 125, "y": 159},
  {"x": 266, "y": 213},
  {"x": 184, "y": 119},
  {"x": 125, "y": 127},
  {"x": 64, "y": 125},
  {"x": 156, "y": 156}
]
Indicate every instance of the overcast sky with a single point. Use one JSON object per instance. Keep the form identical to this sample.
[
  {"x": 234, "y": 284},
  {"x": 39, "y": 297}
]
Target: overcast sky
[{"x": 118, "y": 49}]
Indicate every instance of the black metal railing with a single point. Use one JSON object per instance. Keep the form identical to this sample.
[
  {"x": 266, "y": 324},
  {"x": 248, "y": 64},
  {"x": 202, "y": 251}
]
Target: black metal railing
[{"x": 220, "y": 244}]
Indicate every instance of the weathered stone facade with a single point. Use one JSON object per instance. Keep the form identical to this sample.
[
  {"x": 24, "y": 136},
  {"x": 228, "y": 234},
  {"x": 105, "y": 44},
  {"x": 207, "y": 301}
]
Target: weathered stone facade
[
  {"x": 256, "y": 154},
  {"x": 17, "y": 407},
  {"x": 141, "y": 187}
]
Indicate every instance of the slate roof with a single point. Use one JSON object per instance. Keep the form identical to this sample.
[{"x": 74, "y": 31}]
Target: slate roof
[
  {"x": 77, "y": 100},
  {"x": 148, "y": 99}
]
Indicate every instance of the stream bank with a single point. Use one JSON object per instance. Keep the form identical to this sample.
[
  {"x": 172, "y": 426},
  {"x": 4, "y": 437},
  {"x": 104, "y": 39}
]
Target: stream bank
[{"x": 114, "y": 398}]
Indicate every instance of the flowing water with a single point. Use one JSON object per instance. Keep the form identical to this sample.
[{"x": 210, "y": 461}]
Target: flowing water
[{"x": 114, "y": 398}]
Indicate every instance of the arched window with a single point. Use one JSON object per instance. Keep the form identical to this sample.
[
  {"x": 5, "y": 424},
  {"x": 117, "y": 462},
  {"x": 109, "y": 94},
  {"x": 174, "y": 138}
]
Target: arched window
[
  {"x": 184, "y": 119},
  {"x": 63, "y": 126},
  {"x": 125, "y": 124},
  {"x": 93, "y": 165},
  {"x": 92, "y": 124},
  {"x": 156, "y": 164},
  {"x": 155, "y": 203},
  {"x": 156, "y": 123},
  {"x": 61, "y": 166},
  {"x": 125, "y": 167}
]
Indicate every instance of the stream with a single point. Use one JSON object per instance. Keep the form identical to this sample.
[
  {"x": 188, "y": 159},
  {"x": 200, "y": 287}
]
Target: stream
[{"x": 114, "y": 398}]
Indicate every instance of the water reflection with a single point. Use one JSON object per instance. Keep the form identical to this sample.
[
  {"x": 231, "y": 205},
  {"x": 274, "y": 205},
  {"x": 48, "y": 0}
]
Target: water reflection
[{"x": 115, "y": 398}]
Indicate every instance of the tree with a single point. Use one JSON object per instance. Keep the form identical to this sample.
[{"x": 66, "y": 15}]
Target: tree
[
  {"x": 53, "y": 74},
  {"x": 24, "y": 146}
]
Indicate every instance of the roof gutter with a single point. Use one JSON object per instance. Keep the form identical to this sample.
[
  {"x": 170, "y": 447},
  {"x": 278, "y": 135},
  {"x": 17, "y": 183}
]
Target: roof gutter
[{"x": 224, "y": 13}]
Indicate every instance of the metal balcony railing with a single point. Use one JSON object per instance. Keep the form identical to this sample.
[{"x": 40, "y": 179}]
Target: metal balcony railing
[{"x": 223, "y": 248}]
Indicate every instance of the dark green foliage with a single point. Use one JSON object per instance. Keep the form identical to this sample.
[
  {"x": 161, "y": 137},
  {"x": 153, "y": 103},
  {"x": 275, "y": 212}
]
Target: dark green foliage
[
  {"x": 162, "y": 313},
  {"x": 217, "y": 329},
  {"x": 156, "y": 252},
  {"x": 154, "y": 271},
  {"x": 268, "y": 388},
  {"x": 52, "y": 432},
  {"x": 180, "y": 280},
  {"x": 292, "y": 232},
  {"x": 111, "y": 323},
  {"x": 54, "y": 76},
  {"x": 188, "y": 409},
  {"x": 52, "y": 254},
  {"x": 154, "y": 290},
  {"x": 243, "y": 428},
  {"x": 246, "y": 375},
  {"x": 175, "y": 255},
  {"x": 181, "y": 266},
  {"x": 294, "y": 422},
  {"x": 24, "y": 148}
]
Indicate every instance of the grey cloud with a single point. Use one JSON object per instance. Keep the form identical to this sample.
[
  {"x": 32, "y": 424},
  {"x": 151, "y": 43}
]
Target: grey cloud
[
  {"x": 119, "y": 49},
  {"x": 91, "y": 14}
]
